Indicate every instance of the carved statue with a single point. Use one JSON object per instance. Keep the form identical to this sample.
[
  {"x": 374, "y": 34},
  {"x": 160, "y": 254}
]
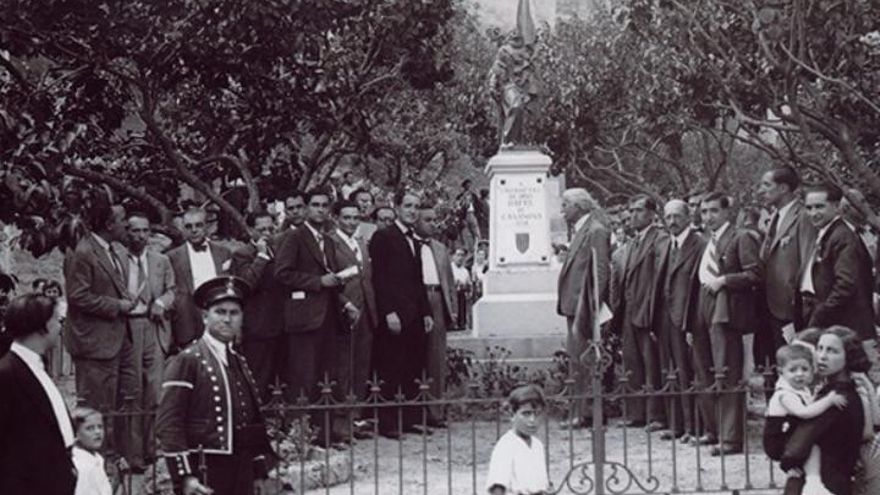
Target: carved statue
[{"x": 511, "y": 81}]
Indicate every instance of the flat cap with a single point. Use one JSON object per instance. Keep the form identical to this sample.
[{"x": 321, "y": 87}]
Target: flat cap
[{"x": 222, "y": 288}]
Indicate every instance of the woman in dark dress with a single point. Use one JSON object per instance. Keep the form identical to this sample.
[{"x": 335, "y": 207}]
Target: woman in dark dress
[{"x": 837, "y": 432}]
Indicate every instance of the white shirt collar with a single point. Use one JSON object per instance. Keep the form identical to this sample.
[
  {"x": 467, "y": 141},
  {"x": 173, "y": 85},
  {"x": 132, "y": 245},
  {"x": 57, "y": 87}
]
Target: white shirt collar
[
  {"x": 721, "y": 230},
  {"x": 31, "y": 358},
  {"x": 101, "y": 241},
  {"x": 217, "y": 347},
  {"x": 682, "y": 236},
  {"x": 785, "y": 209},
  {"x": 35, "y": 364},
  {"x": 313, "y": 230},
  {"x": 581, "y": 221},
  {"x": 403, "y": 228},
  {"x": 345, "y": 237},
  {"x": 825, "y": 229}
]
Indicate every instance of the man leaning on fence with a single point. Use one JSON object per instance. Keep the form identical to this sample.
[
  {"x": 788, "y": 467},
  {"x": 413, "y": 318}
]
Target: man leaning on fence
[{"x": 210, "y": 427}]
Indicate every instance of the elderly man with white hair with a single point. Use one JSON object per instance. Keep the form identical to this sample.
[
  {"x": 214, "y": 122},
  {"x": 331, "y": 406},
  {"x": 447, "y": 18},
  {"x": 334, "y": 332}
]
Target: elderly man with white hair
[{"x": 590, "y": 248}]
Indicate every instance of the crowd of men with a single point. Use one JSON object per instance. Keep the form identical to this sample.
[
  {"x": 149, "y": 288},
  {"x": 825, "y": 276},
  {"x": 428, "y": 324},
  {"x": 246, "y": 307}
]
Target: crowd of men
[
  {"x": 706, "y": 293},
  {"x": 335, "y": 295}
]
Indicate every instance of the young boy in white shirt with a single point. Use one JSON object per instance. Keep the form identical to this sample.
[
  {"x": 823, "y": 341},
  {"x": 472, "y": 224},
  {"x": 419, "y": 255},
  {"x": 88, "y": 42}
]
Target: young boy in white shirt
[{"x": 518, "y": 465}]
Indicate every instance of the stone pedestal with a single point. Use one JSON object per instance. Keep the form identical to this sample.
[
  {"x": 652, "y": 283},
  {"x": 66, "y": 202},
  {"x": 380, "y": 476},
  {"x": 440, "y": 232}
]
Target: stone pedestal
[{"x": 518, "y": 307}]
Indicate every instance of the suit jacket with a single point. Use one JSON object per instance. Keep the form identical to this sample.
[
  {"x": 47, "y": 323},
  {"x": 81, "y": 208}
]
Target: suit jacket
[
  {"x": 160, "y": 287},
  {"x": 843, "y": 282},
  {"x": 673, "y": 287},
  {"x": 358, "y": 290},
  {"x": 738, "y": 252},
  {"x": 782, "y": 259},
  {"x": 397, "y": 278},
  {"x": 299, "y": 266},
  {"x": 96, "y": 296},
  {"x": 267, "y": 296},
  {"x": 447, "y": 281},
  {"x": 33, "y": 457},
  {"x": 186, "y": 319},
  {"x": 592, "y": 235},
  {"x": 640, "y": 276}
]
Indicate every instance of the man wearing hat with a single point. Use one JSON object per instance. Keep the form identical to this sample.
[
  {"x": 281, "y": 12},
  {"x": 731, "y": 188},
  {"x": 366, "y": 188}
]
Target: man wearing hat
[{"x": 210, "y": 403}]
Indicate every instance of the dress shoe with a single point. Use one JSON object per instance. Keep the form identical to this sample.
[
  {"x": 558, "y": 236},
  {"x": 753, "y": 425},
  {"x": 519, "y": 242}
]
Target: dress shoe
[
  {"x": 704, "y": 440},
  {"x": 436, "y": 423},
  {"x": 418, "y": 430},
  {"x": 633, "y": 423},
  {"x": 575, "y": 424},
  {"x": 671, "y": 435},
  {"x": 726, "y": 449},
  {"x": 391, "y": 434},
  {"x": 362, "y": 434},
  {"x": 654, "y": 426},
  {"x": 687, "y": 438}
]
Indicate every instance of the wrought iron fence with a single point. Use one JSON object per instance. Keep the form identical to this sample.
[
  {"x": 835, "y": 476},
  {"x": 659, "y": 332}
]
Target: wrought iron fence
[{"x": 608, "y": 457}]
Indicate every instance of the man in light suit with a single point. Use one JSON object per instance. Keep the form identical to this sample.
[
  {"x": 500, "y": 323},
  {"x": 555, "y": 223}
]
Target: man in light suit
[
  {"x": 315, "y": 315},
  {"x": 783, "y": 254},
  {"x": 98, "y": 305},
  {"x": 836, "y": 283},
  {"x": 438, "y": 280},
  {"x": 263, "y": 340},
  {"x": 36, "y": 432},
  {"x": 726, "y": 284},
  {"x": 639, "y": 337},
  {"x": 680, "y": 256},
  {"x": 150, "y": 282},
  {"x": 195, "y": 261},
  {"x": 590, "y": 247},
  {"x": 354, "y": 348}
]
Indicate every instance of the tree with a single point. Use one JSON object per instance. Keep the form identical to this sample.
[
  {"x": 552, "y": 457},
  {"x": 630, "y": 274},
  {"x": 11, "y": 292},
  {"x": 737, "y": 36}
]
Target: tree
[{"x": 141, "y": 96}]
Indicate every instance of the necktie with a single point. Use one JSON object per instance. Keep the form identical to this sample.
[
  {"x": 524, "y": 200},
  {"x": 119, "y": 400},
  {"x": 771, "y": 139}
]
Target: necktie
[
  {"x": 200, "y": 248},
  {"x": 136, "y": 282},
  {"x": 673, "y": 255},
  {"x": 774, "y": 225},
  {"x": 417, "y": 249}
]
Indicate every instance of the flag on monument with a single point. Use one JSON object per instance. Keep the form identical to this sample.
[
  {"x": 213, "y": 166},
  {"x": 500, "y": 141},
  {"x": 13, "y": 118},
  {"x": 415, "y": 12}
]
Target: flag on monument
[{"x": 525, "y": 26}]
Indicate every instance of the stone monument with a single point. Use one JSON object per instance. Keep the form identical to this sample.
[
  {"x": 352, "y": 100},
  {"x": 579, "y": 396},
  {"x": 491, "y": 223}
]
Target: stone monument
[{"x": 518, "y": 308}]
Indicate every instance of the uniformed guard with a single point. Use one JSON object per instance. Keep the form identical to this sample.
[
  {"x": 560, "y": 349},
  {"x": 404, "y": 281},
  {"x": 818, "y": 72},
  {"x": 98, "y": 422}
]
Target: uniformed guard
[{"x": 210, "y": 403}]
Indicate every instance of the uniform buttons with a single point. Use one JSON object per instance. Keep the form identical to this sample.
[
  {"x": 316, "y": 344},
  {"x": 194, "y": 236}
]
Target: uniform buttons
[
  {"x": 213, "y": 378},
  {"x": 218, "y": 409},
  {"x": 219, "y": 418},
  {"x": 216, "y": 398},
  {"x": 220, "y": 428},
  {"x": 216, "y": 388},
  {"x": 210, "y": 369}
]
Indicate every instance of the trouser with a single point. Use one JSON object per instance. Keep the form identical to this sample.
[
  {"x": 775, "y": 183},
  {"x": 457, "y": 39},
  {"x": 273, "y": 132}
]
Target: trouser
[
  {"x": 461, "y": 316},
  {"x": 435, "y": 363},
  {"x": 575, "y": 345},
  {"x": 311, "y": 360},
  {"x": 719, "y": 348},
  {"x": 267, "y": 359},
  {"x": 353, "y": 353},
  {"x": 140, "y": 376},
  {"x": 642, "y": 362},
  {"x": 767, "y": 341},
  {"x": 97, "y": 386},
  {"x": 399, "y": 360},
  {"x": 675, "y": 356}
]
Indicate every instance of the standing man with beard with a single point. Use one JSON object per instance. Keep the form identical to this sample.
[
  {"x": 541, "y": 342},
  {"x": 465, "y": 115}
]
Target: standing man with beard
[
  {"x": 263, "y": 340},
  {"x": 405, "y": 319},
  {"x": 195, "y": 261},
  {"x": 150, "y": 281},
  {"x": 726, "y": 308},
  {"x": 306, "y": 267},
  {"x": 590, "y": 247},
  {"x": 210, "y": 403}
]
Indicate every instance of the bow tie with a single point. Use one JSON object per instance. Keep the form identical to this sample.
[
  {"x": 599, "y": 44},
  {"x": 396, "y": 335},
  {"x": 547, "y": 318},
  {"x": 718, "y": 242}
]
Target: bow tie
[{"x": 200, "y": 248}]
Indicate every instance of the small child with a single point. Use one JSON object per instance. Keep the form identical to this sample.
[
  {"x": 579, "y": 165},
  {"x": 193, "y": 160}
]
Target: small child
[
  {"x": 793, "y": 401},
  {"x": 91, "y": 478},
  {"x": 518, "y": 465}
]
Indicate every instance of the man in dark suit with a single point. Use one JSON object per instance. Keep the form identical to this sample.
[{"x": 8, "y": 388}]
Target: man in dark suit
[
  {"x": 680, "y": 256},
  {"x": 639, "y": 337},
  {"x": 306, "y": 267},
  {"x": 439, "y": 283},
  {"x": 36, "y": 432},
  {"x": 400, "y": 342},
  {"x": 726, "y": 306},
  {"x": 836, "y": 283},
  {"x": 150, "y": 281},
  {"x": 195, "y": 261},
  {"x": 590, "y": 247},
  {"x": 354, "y": 348},
  {"x": 294, "y": 211},
  {"x": 783, "y": 254},
  {"x": 263, "y": 340},
  {"x": 98, "y": 306}
]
